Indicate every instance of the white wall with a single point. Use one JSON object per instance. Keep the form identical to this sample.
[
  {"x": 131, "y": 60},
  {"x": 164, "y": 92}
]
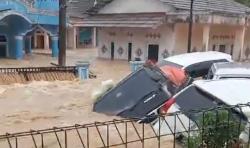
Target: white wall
[
  {"x": 181, "y": 37},
  {"x": 139, "y": 40},
  {"x": 216, "y": 36},
  {"x": 135, "y": 6}
]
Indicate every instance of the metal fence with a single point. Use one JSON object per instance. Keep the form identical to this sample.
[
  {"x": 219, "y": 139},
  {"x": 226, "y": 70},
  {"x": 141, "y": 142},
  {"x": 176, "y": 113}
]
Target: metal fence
[
  {"x": 27, "y": 74},
  {"x": 216, "y": 127},
  {"x": 38, "y": 69}
]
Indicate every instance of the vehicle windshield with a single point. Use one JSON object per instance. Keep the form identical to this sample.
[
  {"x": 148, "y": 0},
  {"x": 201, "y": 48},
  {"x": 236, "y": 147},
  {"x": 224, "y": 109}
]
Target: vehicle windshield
[{"x": 194, "y": 99}]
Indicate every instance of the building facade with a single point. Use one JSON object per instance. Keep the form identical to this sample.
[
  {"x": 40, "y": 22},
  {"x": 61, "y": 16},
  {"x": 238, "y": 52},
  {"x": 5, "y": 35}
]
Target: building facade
[
  {"x": 156, "y": 29},
  {"x": 27, "y": 24}
]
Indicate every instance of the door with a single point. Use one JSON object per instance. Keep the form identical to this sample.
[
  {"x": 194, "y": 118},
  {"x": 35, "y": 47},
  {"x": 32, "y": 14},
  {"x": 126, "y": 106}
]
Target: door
[
  {"x": 153, "y": 51},
  {"x": 222, "y": 48},
  {"x": 40, "y": 42},
  {"x": 129, "y": 51},
  {"x": 3, "y": 46},
  {"x": 112, "y": 50}
]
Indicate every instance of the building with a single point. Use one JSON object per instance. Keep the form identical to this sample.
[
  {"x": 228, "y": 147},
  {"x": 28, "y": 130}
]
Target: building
[
  {"x": 27, "y": 24},
  {"x": 155, "y": 29},
  {"x": 79, "y": 37}
]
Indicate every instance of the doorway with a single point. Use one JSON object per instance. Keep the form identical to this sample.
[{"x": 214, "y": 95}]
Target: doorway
[
  {"x": 3, "y": 46},
  {"x": 112, "y": 50},
  {"x": 40, "y": 41},
  {"x": 153, "y": 52},
  {"x": 222, "y": 48},
  {"x": 129, "y": 51}
]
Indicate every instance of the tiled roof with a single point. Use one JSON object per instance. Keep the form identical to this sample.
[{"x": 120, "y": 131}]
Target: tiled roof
[
  {"x": 77, "y": 8},
  {"x": 224, "y": 6}
]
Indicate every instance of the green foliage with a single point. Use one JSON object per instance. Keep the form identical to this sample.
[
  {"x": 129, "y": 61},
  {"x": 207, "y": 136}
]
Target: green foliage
[
  {"x": 217, "y": 129},
  {"x": 245, "y": 2}
]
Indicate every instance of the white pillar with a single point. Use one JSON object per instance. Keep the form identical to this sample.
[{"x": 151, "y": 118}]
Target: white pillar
[
  {"x": 94, "y": 37},
  {"x": 46, "y": 41},
  {"x": 74, "y": 38},
  {"x": 71, "y": 38},
  {"x": 172, "y": 47},
  {"x": 239, "y": 43},
  {"x": 205, "y": 39}
]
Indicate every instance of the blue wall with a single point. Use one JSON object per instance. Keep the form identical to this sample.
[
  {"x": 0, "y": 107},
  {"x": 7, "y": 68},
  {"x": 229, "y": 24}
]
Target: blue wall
[
  {"x": 51, "y": 6},
  {"x": 47, "y": 4},
  {"x": 17, "y": 25}
]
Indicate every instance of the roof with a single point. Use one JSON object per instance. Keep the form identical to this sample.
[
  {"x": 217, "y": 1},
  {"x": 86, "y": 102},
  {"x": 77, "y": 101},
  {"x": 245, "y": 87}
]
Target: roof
[
  {"x": 225, "y": 6},
  {"x": 146, "y": 20},
  {"x": 232, "y": 68},
  {"x": 230, "y": 91},
  {"x": 188, "y": 59},
  {"x": 77, "y": 8},
  {"x": 98, "y": 5}
]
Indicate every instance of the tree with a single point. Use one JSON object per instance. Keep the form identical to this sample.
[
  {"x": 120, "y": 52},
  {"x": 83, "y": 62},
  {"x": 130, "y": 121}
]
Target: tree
[{"x": 245, "y": 2}]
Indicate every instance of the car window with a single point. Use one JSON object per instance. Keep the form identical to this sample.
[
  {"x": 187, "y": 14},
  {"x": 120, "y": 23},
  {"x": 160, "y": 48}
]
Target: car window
[
  {"x": 195, "y": 99},
  {"x": 201, "y": 69},
  {"x": 192, "y": 99},
  {"x": 210, "y": 74}
]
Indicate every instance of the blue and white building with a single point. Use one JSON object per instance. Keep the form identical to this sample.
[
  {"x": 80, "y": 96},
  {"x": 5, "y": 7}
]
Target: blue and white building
[{"x": 28, "y": 24}]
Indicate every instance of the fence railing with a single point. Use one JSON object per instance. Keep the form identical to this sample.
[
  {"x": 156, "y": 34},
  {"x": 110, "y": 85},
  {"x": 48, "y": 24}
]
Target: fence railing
[
  {"x": 27, "y": 74},
  {"x": 38, "y": 69},
  {"x": 217, "y": 127}
]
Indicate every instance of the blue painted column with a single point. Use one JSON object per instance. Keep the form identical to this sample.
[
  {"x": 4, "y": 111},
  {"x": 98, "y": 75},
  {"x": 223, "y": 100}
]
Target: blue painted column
[
  {"x": 28, "y": 47},
  {"x": 54, "y": 46},
  {"x": 19, "y": 45}
]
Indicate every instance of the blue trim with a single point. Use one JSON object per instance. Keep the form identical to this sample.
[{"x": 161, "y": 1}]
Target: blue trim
[
  {"x": 54, "y": 46},
  {"x": 19, "y": 47}
]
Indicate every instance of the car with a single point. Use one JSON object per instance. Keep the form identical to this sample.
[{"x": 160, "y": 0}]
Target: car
[
  {"x": 196, "y": 64},
  {"x": 141, "y": 92},
  {"x": 202, "y": 95},
  {"x": 225, "y": 70}
]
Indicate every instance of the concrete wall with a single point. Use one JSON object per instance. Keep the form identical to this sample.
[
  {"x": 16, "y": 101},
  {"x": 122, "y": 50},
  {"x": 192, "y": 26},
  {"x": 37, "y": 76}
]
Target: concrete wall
[
  {"x": 247, "y": 43},
  {"x": 135, "y": 6},
  {"x": 181, "y": 38},
  {"x": 140, "y": 39}
]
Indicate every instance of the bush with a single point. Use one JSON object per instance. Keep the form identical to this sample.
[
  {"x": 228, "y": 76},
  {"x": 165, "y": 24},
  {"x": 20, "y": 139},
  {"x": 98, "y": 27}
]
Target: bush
[{"x": 217, "y": 129}]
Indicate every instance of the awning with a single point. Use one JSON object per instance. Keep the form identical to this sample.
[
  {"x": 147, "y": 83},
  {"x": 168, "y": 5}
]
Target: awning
[{"x": 148, "y": 20}]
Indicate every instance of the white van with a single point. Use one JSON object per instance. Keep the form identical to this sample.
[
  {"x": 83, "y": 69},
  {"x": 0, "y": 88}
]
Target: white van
[{"x": 229, "y": 70}]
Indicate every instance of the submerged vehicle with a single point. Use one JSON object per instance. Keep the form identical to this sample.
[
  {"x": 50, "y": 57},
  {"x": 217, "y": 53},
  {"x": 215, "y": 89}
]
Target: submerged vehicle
[
  {"x": 141, "y": 92},
  {"x": 226, "y": 70},
  {"x": 197, "y": 64},
  {"x": 203, "y": 95}
]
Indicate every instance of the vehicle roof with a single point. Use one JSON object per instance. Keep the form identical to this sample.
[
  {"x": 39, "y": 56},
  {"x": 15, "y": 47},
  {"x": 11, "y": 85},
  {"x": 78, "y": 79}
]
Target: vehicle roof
[
  {"x": 229, "y": 91},
  {"x": 188, "y": 59},
  {"x": 232, "y": 68}
]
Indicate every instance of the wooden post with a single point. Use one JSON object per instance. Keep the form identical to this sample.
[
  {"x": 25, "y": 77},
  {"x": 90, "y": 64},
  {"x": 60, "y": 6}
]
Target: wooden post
[{"x": 62, "y": 33}]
